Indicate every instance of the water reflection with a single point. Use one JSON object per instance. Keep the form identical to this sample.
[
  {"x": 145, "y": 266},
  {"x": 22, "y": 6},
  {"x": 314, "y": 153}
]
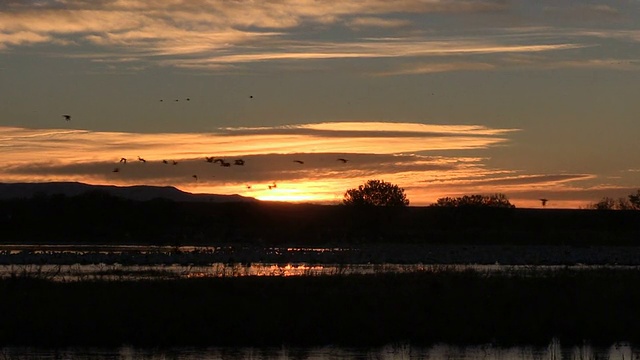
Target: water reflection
[
  {"x": 139, "y": 262},
  {"x": 364, "y": 254},
  {"x": 554, "y": 351},
  {"x": 119, "y": 272}
]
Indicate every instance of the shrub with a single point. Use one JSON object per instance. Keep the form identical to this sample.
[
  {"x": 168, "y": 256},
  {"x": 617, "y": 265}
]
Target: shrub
[{"x": 495, "y": 201}]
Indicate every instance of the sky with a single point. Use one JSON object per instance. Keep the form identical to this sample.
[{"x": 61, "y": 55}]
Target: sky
[{"x": 533, "y": 99}]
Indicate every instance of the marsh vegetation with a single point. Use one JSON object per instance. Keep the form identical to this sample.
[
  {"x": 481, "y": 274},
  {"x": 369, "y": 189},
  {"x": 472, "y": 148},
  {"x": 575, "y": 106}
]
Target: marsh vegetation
[{"x": 455, "y": 307}]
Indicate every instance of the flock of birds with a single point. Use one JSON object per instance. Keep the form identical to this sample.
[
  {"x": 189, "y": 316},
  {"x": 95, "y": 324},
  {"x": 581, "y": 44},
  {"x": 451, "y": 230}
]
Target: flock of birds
[
  {"x": 209, "y": 159},
  {"x": 214, "y": 160}
]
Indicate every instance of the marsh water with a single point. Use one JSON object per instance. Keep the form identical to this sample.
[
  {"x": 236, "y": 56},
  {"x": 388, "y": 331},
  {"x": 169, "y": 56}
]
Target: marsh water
[
  {"x": 133, "y": 262},
  {"x": 114, "y": 263},
  {"x": 553, "y": 351}
]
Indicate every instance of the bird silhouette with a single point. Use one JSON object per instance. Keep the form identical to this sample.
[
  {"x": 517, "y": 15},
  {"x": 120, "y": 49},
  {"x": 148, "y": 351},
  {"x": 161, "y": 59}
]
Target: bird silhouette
[
  {"x": 218, "y": 161},
  {"x": 298, "y": 161},
  {"x": 67, "y": 117},
  {"x": 188, "y": 99},
  {"x": 273, "y": 186},
  {"x": 195, "y": 177},
  {"x": 544, "y": 202},
  {"x": 141, "y": 159},
  {"x": 173, "y": 162},
  {"x": 116, "y": 170},
  {"x": 343, "y": 160},
  {"x": 123, "y": 160},
  {"x": 209, "y": 159},
  {"x": 225, "y": 164},
  {"x": 250, "y": 96},
  {"x": 165, "y": 162},
  {"x": 238, "y": 162}
]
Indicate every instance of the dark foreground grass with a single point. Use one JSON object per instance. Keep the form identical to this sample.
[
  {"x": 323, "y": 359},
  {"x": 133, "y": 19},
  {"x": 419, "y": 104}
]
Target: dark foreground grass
[{"x": 599, "y": 306}]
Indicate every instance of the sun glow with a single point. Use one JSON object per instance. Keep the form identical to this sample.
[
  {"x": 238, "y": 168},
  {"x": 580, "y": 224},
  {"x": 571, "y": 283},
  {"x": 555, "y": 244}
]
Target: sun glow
[{"x": 313, "y": 163}]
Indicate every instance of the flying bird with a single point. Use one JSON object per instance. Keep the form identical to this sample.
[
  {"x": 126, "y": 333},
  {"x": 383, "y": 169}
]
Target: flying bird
[
  {"x": 544, "y": 202},
  {"x": 218, "y": 160},
  {"x": 165, "y": 162},
  {"x": 273, "y": 186},
  {"x": 123, "y": 160},
  {"x": 238, "y": 162},
  {"x": 66, "y": 117},
  {"x": 225, "y": 164},
  {"x": 298, "y": 161},
  {"x": 116, "y": 170},
  {"x": 248, "y": 187},
  {"x": 141, "y": 159},
  {"x": 343, "y": 160},
  {"x": 209, "y": 159},
  {"x": 195, "y": 177},
  {"x": 188, "y": 99},
  {"x": 173, "y": 162}
]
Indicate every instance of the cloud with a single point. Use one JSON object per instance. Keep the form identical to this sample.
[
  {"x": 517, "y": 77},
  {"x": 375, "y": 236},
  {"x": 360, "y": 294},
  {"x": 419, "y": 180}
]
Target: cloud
[
  {"x": 429, "y": 68},
  {"x": 618, "y": 34},
  {"x": 381, "y": 49},
  {"x": 269, "y": 154},
  {"x": 373, "y": 129},
  {"x": 360, "y": 22},
  {"x": 22, "y": 38},
  {"x": 339, "y": 137},
  {"x": 215, "y": 35},
  {"x": 583, "y": 12},
  {"x": 552, "y": 179}
]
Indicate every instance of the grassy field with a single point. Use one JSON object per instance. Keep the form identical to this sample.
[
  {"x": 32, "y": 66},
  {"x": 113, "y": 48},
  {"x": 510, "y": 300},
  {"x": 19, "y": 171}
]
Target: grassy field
[{"x": 597, "y": 306}]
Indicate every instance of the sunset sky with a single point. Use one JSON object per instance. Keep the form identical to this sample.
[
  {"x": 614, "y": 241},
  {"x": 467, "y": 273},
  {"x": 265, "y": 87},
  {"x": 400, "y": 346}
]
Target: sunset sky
[{"x": 534, "y": 99}]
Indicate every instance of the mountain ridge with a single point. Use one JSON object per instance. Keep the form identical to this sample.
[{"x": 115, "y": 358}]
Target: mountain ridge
[{"x": 133, "y": 192}]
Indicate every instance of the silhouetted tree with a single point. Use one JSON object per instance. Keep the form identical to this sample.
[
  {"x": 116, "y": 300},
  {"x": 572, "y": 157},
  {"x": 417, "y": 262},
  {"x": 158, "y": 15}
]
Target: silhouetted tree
[
  {"x": 376, "y": 193},
  {"x": 606, "y": 203},
  {"x": 634, "y": 200},
  {"x": 494, "y": 201},
  {"x": 624, "y": 204}
]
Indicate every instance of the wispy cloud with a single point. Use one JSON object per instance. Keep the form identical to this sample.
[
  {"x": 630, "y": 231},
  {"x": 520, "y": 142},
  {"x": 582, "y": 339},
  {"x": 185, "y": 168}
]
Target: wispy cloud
[
  {"x": 346, "y": 137},
  {"x": 214, "y": 34},
  {"x": 583, "y": 11},
  {"x": 552, "y": 179},
  {"x": 379, "y": 49},
  {"x": 306, "y": 155},
  {"x": 544, "y": 62},
  {"x": 429, "y": 68}
]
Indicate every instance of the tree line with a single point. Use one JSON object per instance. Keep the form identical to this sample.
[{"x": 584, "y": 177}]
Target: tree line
[
  {"x": 382, "y": 193},
  {"x": 631, "y": 202}
]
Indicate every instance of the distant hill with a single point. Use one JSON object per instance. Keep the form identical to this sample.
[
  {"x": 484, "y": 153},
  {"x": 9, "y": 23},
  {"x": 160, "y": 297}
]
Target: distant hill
[{"x": 138, "y": 192}]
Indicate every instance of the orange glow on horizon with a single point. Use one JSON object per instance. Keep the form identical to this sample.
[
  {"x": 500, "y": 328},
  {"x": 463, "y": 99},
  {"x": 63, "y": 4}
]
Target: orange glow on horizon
[{"x": 273, "y": 157}]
